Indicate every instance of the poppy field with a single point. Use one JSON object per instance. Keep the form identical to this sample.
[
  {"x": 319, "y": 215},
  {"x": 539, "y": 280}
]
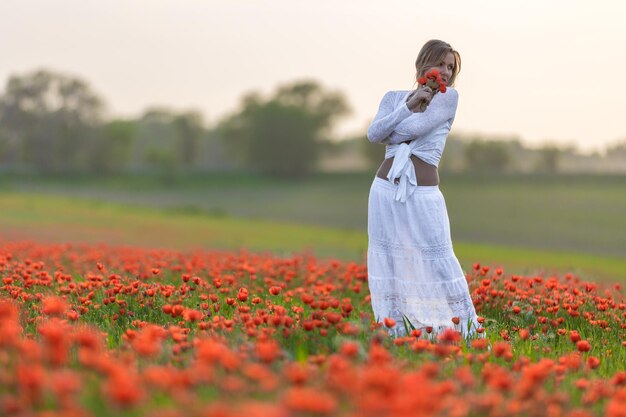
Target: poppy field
[{"x": 95, "y": 330}]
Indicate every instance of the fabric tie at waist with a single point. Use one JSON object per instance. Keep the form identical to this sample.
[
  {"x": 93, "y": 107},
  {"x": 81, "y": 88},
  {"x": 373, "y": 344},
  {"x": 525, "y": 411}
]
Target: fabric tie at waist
[{"x": 402, "y": 168}]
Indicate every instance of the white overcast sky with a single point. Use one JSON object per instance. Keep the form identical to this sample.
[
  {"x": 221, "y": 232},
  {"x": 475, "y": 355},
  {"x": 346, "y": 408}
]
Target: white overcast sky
[{"x": 549, "y": 70}]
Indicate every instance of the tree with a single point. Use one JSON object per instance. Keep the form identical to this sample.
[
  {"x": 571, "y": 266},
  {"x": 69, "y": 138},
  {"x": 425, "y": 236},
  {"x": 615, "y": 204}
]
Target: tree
[
  {"x": 168, "y": 142},
  {"x": 49, "y": 119},
  {"x": 487, "y": 156},
  {"x": 111, "y": 148},
  {"x": 548, "y": 159},
  {"x": 452, "y": 159},
  {"x": 374, "y": 153},
  {"x": 281, "y": 135},
  {"x": 189, "y": 129},
  {"x": 617, "y": 150}
]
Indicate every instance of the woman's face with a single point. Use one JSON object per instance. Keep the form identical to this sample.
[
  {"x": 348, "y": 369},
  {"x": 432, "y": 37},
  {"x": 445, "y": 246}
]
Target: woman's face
[{"x": 445, "y": 67}]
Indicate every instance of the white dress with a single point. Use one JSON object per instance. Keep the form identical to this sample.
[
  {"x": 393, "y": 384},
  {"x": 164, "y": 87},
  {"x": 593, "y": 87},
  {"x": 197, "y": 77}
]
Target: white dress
[{"x": 414, "y": 276}]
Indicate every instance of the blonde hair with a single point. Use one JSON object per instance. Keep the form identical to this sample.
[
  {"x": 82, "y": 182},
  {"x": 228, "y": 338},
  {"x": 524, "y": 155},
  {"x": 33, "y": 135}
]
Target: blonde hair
[{"x": 431, "y": 54}]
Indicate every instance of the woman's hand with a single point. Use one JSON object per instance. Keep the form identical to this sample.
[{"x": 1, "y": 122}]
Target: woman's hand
[{"x": 422, "y": 94}]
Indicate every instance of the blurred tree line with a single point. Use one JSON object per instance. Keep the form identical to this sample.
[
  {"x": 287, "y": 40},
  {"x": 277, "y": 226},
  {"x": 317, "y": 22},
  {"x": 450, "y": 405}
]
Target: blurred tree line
[
  {"x": 508, "y": 155},
  {"x": 53, "y": 123}
]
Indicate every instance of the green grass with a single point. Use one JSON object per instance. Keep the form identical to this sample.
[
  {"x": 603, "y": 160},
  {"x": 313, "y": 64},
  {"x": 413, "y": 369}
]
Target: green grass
[
  {"x": 62, "y": 219},
  {"x": 59, "y": 219},
  {"x": 570, "y": 213}
]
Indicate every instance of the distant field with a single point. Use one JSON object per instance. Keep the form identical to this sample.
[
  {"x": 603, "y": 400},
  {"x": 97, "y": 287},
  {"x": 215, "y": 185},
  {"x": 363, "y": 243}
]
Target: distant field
[
  {"x": 582, "y": 213},
  {"x": 62, "y": 219}
]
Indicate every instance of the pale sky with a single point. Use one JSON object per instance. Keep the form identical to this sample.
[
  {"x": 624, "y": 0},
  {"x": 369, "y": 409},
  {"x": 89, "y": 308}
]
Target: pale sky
[{"x": 540, "y": 70}]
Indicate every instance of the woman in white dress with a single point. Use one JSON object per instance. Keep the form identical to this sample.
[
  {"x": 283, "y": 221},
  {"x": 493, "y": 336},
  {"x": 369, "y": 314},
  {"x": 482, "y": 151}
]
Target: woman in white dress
[{"x": 414, "y": 276}]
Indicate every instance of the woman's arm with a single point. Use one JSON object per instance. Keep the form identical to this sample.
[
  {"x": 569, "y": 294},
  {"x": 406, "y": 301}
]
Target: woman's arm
[
  {"x": 387, "y": 118},
  {"x": 441, "y": 109}
]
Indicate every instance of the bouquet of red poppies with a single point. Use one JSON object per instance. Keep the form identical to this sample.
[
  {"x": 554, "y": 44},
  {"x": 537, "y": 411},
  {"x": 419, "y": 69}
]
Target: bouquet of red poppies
[{"x": 433, "y": 80}]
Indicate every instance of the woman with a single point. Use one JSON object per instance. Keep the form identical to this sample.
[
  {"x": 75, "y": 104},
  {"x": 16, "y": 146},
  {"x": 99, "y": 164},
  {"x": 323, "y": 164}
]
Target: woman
[{"x": 414, "y": 275}]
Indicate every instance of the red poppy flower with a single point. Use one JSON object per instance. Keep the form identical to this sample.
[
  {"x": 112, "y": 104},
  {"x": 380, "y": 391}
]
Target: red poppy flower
[
  {"x": 583, "y": 346},
  {"x": 524, "y": 334},
  {"x": 416, "y": 333},
  {"x": 267, "y": 350},
  {"x": 389, "y": 322},
  {"x": 350, "y": 349},
  {"x": 54, "y": 305},
  {"x": 593, "y": 362},
  {"x": 242, "y": 295}
]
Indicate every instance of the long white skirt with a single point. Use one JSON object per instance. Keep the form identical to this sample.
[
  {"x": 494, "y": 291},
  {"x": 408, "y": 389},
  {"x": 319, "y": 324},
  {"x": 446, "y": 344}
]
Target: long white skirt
[{"x": 413, "y": 274}]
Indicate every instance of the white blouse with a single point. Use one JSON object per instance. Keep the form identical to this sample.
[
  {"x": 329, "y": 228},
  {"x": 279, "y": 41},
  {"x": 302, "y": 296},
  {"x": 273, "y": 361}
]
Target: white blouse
[{"x": 427, "y": 132}]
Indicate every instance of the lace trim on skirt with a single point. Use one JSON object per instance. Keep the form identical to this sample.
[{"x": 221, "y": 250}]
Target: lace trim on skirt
[{"x": 413, "y": 273}]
